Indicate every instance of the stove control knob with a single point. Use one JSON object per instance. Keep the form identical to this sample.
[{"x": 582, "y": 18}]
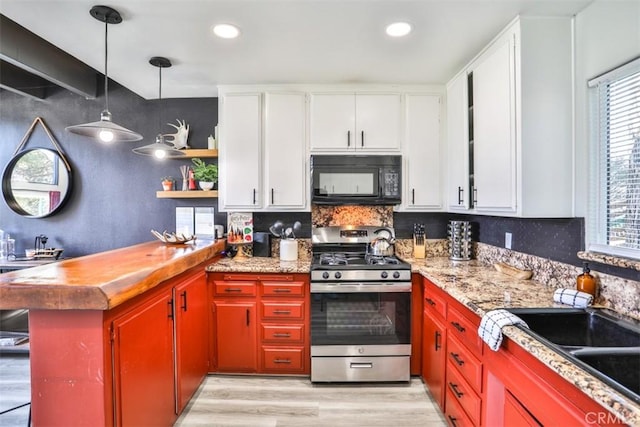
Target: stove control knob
[
  {"x": 325, "y": 275},
  {"x": 384, "y": 274},
  {"x": 396, "y": 275},
  {"x": 337, "y": 275}
]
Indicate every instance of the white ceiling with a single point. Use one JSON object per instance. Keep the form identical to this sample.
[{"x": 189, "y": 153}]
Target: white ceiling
[{"x": 281, "y": 41}]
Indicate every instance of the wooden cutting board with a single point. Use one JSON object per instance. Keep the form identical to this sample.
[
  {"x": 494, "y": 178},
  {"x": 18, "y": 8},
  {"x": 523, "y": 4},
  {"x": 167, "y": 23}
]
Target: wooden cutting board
[{"x": 513, "y": 271}]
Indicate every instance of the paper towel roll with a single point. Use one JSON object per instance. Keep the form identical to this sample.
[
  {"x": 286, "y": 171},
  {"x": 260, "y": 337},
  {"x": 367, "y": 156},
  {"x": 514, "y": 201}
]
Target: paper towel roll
[{"x": 288, "y": 250}]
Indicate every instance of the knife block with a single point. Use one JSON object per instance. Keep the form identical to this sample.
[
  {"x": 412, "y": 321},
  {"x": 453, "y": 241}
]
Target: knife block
[{"x": 419, "y": 250}]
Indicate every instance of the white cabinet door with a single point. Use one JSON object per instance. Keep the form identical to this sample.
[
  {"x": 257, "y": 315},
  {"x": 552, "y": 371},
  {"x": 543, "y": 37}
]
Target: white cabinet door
[
  {"x": 239, "y": 152},
  {"x": 458, "y": 143},
  {"x": 332, "y": 126},
  {"x": 378, "y": 122},
  {"x": 423, "y": 189},
  {"x": 355, "y": 122},
  {"x": 494, "y": 131},
  {"x": 286, "y": 160}
]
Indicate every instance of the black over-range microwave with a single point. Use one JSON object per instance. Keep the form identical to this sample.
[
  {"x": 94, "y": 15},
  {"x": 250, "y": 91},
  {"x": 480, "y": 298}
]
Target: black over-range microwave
[{"x": 356, "y": 180}]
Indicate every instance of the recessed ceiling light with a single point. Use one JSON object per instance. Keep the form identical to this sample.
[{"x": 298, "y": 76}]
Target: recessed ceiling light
[
  {"x": 226, "y": 31},
  {"x": 398, "y": 29}
]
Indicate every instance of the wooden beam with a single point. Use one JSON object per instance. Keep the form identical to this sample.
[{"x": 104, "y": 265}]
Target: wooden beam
[{"x": 25, "y": 50}]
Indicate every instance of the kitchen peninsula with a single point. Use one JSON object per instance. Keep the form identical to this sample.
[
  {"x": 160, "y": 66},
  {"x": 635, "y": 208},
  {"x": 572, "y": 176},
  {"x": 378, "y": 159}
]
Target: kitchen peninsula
[{"x": 130, "y": 297}]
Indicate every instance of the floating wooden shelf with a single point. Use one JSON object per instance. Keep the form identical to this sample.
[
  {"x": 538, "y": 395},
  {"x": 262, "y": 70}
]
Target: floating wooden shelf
[
  {"x": 195, "y": 194},
  {"x": 191, "y": 153}
]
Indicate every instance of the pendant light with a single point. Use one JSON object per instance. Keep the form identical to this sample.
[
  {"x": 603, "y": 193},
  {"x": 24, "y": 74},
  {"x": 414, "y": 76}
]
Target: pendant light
[
  {"x": 159, "y": 149},
  {"x": 105, "y": 130}
]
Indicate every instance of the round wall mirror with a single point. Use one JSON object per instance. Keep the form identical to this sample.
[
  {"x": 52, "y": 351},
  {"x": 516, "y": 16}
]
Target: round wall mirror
[{"x": 36, "y": 183}]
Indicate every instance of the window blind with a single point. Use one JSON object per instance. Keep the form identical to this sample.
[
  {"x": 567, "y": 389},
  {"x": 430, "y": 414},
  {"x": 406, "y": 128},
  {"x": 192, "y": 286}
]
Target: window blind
[{"x": 617, "y": 224}]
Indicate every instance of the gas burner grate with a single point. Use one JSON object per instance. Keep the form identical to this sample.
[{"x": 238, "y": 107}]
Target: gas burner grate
[{"x": 381, "y": 260}]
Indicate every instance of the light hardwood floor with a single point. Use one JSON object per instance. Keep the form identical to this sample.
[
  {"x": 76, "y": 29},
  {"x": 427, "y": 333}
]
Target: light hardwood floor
[
  {"x": 15, "y": 390},
  {"x": 235, "y": 401}
]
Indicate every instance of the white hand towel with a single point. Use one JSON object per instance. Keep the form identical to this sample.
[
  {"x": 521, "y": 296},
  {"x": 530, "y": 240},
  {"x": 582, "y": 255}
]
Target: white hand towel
[
  {"x": 572, "y": 297},
  {"x": 490, "y": 329}
]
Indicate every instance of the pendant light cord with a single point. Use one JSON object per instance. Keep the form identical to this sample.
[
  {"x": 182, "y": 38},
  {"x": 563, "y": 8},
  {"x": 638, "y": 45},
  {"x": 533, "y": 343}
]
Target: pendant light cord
[
  {"x": 160, "y": 99},
  {"x": 106, "y": 74}
]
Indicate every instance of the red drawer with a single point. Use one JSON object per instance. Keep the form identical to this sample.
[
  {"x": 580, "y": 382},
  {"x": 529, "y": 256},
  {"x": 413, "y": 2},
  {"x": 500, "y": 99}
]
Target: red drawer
[
  {"x": 433, "y": 301},
  {"x": 283, "y": 333},
  {"x": 465, "y": 362},
  {"x": 234, "y": 289},
  {"x": 464, "y": 329},
  {"x": 293, "y": 310},
  {"x": 283, "y": 289},
  {"x": 454, "y": 413},
  {"x": 463, "y": 393},
  {"x": 283, "y": 360}
]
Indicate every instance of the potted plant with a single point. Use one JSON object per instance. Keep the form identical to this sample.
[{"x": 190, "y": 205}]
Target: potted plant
[
  {"x": 207, "y": 175},
  {"x": 167, "y": 183}
]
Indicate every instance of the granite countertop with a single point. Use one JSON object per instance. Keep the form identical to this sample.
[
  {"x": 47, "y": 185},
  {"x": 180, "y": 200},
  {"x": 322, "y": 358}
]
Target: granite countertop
[
  {"x": 104, "y": 280},
  {"x": 482, "y": 288},
  {"x": 259, "y": 265}
]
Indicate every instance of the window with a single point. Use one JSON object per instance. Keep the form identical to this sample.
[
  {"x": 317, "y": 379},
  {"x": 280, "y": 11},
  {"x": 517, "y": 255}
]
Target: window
[{"x": 614, "y": 216}]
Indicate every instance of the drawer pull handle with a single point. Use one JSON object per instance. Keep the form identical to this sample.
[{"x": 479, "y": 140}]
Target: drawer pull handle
[
  {"x": 282, "y": 290},
  {"x": 355, "y": 365},
  {"x": 431, "y": 302},
  {"x": 454, "y": 388},
  {"x": 453, "y": 421},
  {"x": 457, "y": 359},
  {"x": 281, "y": 311},
  {"x": 287, "y": 361},
  {"x": 232, "y": 290},
  {"x": 437, "y": 341},
  {"x": 458, "y": 326},
  {"x": 281, "y": 335}
]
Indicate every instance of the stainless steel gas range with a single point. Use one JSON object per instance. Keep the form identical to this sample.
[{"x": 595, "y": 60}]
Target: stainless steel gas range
[{"x": 360, "y": 309}]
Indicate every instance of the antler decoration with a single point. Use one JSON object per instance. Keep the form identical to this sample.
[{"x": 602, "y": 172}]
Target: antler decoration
[{"x": 179, "y": 139}]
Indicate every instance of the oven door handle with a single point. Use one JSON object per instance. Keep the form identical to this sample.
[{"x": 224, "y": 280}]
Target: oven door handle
[{"x": 350, "y": 288}]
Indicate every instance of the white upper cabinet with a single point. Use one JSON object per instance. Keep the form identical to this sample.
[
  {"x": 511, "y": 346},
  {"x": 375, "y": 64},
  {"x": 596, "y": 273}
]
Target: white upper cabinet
[
  {"x": 286, "y": 160},
  {"x": 423, "y": 165},
  {"x": 519, "y": 112},
  {"x": 365, "y": 122},
  {"x": 494, "y": 136},
  {"x": 240, "y": 154},
  {"x": 458, "y": 143}
]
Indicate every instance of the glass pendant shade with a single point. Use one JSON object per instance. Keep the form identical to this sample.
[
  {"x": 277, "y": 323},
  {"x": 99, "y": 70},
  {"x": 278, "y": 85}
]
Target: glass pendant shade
[
  {"x": 159, "y": 149},
  {"x": 105, "y": 130}
]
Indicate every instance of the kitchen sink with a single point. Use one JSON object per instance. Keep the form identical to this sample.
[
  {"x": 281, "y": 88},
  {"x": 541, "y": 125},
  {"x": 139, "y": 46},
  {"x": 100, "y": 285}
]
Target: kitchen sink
[
  {"x": 590, "y": 327},
  {"x": 598, "y": 340}
]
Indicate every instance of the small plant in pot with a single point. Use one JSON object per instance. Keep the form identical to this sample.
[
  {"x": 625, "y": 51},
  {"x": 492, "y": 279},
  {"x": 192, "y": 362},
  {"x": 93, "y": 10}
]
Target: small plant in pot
[
  {"x": 207, "y": 175},
  {"x": 167, "y": 183}
]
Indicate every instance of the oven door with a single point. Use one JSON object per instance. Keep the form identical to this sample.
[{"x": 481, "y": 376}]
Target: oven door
[{"x": 361, "y": 314}]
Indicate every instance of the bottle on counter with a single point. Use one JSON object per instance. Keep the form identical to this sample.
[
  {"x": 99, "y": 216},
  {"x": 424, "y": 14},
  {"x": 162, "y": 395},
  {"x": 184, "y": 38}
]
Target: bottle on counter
[{"x": 585, "y": 282}]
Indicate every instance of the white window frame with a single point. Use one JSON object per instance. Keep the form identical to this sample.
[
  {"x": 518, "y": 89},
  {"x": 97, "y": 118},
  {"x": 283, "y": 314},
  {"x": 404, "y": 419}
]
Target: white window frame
[{"x": 597, "y": 235}]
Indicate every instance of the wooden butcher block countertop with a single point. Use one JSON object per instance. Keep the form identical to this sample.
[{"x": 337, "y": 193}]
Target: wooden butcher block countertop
[{"x": 104, "y": 280}]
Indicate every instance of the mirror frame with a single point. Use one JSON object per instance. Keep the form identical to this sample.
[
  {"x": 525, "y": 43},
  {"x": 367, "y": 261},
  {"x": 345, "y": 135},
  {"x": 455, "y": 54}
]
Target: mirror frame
[{"x": 7, "y": 191}]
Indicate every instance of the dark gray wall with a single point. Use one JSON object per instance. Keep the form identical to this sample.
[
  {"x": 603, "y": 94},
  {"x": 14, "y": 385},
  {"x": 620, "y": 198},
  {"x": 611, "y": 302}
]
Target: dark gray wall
[{"x": 113, "y": 203}]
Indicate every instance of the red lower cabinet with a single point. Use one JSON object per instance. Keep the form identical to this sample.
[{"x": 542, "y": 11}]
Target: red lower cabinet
[
  {"x": 517, "y": 415},
  {"x": 235, "y": 336},
  {"x": 260, "y": 323},
  {"x": 143, "y": 365},
  {"x": 192, "y": 333},
  {"x": 434, "y": 336}
]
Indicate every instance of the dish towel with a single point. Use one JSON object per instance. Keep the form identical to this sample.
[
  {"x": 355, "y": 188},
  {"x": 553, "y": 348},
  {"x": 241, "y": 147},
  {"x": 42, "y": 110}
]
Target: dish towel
[
  {"x": 490, "y": 329},
  {"x": 572, "y": 297}
]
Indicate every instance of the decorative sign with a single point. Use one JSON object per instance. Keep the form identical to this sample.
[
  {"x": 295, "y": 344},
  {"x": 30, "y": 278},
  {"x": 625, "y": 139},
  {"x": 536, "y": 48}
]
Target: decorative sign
[{"x": 239, "y": 228}]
